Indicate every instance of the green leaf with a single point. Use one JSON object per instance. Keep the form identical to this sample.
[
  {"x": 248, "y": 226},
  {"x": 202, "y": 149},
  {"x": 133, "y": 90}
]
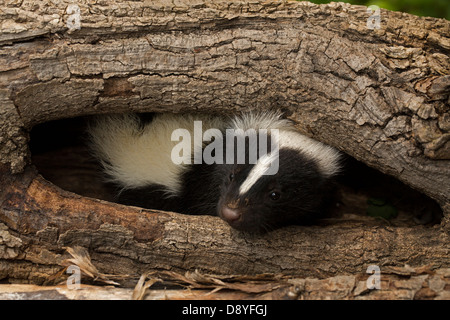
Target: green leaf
[{"x": 380, "y": 208}]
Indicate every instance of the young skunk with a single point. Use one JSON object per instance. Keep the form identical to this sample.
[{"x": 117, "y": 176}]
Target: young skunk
[{"x": 136, "y": 153}]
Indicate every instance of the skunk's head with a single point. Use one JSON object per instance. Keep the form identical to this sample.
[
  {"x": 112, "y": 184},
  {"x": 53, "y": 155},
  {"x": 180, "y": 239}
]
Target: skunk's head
[{"x": 254, "y": 199}]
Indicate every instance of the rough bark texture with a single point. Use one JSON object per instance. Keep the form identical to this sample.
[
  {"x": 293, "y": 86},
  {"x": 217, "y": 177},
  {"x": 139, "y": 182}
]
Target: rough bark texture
[{"x": 380, "y": 95}]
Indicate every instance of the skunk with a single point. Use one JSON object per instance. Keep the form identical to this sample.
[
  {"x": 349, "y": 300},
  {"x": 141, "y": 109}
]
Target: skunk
[{"x": 264, "y": 173}]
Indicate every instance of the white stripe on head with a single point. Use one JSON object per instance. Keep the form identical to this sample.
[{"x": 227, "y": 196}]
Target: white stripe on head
[
  {"x": 324, "y": 156},
  {"x": 327, "y": 158},
  {"x": 264, "y": 166}
]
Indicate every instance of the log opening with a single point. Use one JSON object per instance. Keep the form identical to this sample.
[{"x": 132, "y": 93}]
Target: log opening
[{"x": 60, "y": 153}]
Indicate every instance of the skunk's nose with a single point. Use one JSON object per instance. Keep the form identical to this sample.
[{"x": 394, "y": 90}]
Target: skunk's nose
[{"x": 230, "y": 215}]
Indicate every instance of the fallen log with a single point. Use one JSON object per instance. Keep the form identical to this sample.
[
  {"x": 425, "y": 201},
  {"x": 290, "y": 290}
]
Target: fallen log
[{"x": 378, "y": 94}]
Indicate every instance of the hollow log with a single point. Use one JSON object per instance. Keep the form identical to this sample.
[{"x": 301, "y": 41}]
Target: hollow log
[{"x": 380, "y": 94}]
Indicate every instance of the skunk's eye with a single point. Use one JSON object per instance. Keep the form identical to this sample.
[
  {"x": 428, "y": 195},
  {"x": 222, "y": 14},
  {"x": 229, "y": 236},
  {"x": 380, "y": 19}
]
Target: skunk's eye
[
  {"x": 231, "y": 176},
  {"x": 274, "y": 195}
]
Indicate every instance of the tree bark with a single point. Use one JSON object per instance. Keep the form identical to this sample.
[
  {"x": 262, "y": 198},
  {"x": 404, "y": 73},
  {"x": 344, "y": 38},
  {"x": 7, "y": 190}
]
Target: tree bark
[{"x": 380, "y": 95}]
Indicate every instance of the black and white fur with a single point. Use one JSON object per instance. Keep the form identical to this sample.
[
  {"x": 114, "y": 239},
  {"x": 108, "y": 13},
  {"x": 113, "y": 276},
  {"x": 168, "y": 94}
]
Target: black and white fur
[{"x": 136, "y": 156}]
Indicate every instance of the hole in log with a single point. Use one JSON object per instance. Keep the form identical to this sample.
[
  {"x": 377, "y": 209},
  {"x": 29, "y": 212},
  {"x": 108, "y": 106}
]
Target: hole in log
[{"x": 60, "y": 153}]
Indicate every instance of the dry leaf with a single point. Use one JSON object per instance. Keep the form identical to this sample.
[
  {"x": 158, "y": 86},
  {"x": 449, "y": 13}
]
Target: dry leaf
[
  {"x": 248, "y": 284},
  {"x": 141, "y": 287},
  {"x": 81, "y": 258}
]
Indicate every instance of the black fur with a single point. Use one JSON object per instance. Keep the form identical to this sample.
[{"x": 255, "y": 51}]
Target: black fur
[
  {"x": 150, "y": 197},
  {"x": 198, "y": 196}
]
